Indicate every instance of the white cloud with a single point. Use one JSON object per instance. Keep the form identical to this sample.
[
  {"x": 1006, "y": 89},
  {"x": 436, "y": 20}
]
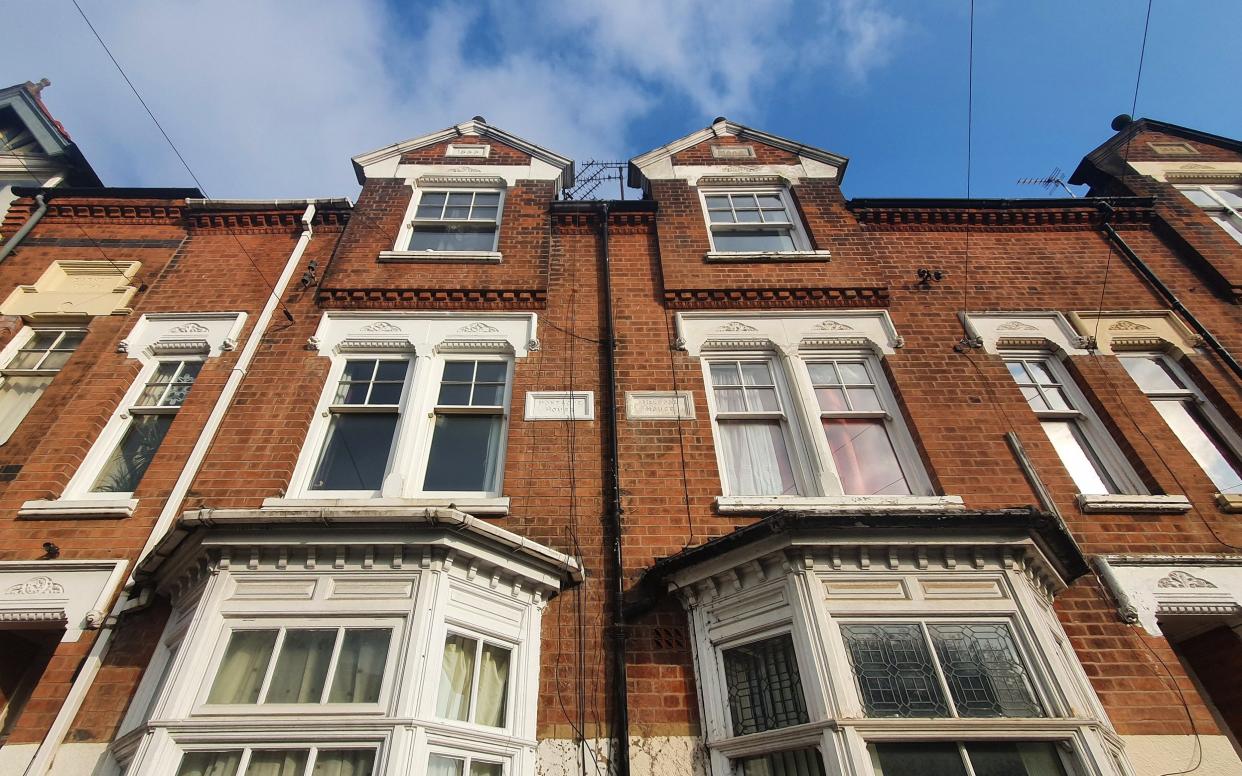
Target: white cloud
[{"x": 270, "y": 99}]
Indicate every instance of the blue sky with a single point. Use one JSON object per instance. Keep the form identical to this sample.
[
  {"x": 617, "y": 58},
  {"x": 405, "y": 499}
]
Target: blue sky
[{"x": 270, "y": 99}]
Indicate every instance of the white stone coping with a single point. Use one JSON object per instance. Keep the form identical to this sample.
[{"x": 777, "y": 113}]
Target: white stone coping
[
  {"x": 738, "y": 257},
  {"x": 440, "y": 257},
  {"x": 1113, "y": 502},
  {"x": 471, "y": 505},
  {"x": 88, "y": 508},
  {"x": 750, "y": 505}
]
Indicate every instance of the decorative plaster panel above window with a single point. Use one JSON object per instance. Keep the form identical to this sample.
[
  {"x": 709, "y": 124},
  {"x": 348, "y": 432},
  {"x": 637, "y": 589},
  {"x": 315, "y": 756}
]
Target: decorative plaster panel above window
[
  {"x": 1042, "y": 330},
  {"x": 787, "y": 332},
  {"x": 76, "y": 288},
  {"x": 1130, "y": 330},
  {"x": 427, "y": 332}
]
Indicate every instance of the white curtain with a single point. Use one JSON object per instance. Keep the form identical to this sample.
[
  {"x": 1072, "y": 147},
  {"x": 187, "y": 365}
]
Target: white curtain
[
  {"x": 280, "y": 762},
  {"x": 302, "y": 667},
  {"x": 17, "y": 396},
  {"x": 360, "y": 667},
  {"x": 241, "y": 672},
  {"x": 444, "y": 766},
  {"x": 209, "y": 764},
  {"x": 344, "y": 762},
  {"x": 493, "y": 686},
  {"x": 456, "y": 676},
  {"x": 757, "y": 459}
]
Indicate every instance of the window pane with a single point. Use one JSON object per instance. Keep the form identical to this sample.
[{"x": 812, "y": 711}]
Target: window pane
[
  {"x": 769, "y": 201},
  {"x": 433, "y": 198},
  {"x": 730, "y": 400},
  {"x": 721, "y": 216},
  {"x": 355, "y": 454},
  {"x": 360, "y": 666},
  {"x": 831, "y": 399},
  {"x": 1151, "y": 374},
  {"x": 277, "y": 762},
  {"x": 302, "y": 667},
  {"x": 392, "y": 371},
  {"x": 1230, "y": 224},
  {"x": 717, "y": 203},
  {"x": 894, "y": 671},
  {"x": 756, "y": 460},
  {"x": 747, "y": 216},
  {"x": 454, "y": 394},
  {"x": 486, "y": 769},
  {"x": 130, "y": 459},
  {"x": 493, "y": 686},
  {"x": 180, "y": 388},
  {"x": 754, "y": 240},
  {"x": 241, "y": 672},
  {"x": 456, "y": 678},
  {"x": 864, "y": 457},
  {"x": 483, "y": 214},
  {"x": 823, "y": 373},
  {"x": 763, "y": 399},
  {"x": 1034, "y": 398},
  {"x": 344, "y": 762},
  {"x": 488, "y": 395},
  {"x": 42, "y": 340},
  {"x": 1018, "y": 371},
  {"x": 799, "y": 762},
  {"x": 209, "y": 763},
  {"x": 465, "y": 450},
  {"x": 1087, "y": 475},
  {"x": 985, "y": 675},
  {"x": 1014, "y": 758},
  {"x": 459, "y": 371},
  {"x": 864, "y": 400},
  {"x": 358, "y": 371},
  {"x": 725, "y": 374},
  {"x": 1200, "y": 197},
  {"x": 27, "y": 359},
  {"x": 922, "y": 759},
  {"x": 452, "y": 238},
  {"x": 439, "y": 765},
  {"x": 765, "y": 690},
  {"x": 56, "y": 359},
  {"x": 491, "y": 371},
  {"x": 1040, "y": 373},
  {"x": 385, "y": 393},
  {"x": 1217, "y": 461},
  {"x": 756, "y": 373},
  {"x": 854, "y": 373},
  {"x": 488, "y": 198}
]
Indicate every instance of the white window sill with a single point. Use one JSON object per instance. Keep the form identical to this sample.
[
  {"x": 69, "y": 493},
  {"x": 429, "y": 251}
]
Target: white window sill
[
  {"x": 1112, "y": 502},
  {"x": 750, "y": 505},
  {"x": 726, "y": 257},
  {"x": 440, "y": 257},
  {"x": 88, "y": 508},
  {"x": 471, "y": 505},
  {"x": 1229, "y": 502}
]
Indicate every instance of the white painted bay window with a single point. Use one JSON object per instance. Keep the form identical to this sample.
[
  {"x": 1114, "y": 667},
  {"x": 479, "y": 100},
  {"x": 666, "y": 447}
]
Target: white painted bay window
[
  {"x": 1199, "y": 426},
  {"x": 30, "y": 368},
  {"x": 889, "y": 658}
]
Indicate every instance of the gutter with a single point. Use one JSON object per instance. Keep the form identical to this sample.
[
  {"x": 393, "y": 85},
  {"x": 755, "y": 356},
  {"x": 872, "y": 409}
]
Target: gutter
[
  {"x": 43, "y": 758},
  {"x": 1152, "y": 278},
  {"x": 21, "y": 233}
]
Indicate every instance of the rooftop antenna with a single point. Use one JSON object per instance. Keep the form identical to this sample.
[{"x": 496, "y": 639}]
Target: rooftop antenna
[{"x": 1054, "y": 178}]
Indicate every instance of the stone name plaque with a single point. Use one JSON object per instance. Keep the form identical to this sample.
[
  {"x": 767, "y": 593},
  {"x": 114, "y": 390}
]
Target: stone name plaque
[{"x": 659, "y": 405}]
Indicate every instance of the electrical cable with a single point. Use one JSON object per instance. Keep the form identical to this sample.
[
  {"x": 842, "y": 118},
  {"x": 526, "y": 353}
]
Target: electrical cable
[{"x": 284, "y": 308}]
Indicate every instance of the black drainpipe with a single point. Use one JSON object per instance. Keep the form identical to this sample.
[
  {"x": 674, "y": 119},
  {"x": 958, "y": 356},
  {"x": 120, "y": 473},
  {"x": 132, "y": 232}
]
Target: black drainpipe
[
  {"x": 618, "y": 629},
  {"x": 1151, "y": 277}
]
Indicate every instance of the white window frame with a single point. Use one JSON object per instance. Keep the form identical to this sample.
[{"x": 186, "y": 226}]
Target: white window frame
[
  {"x": 417, "y": 410},
  {"x": 1192, "y": 394},
  {"x": 80, "y": 486},
  {"x": 248, "y": 748},
  {"x": 410, "y": 221},
  {"x": 1226, "y": 216},
  {"x": 797, "y": 229},
  {"x": 1098, "y": 445},
  {"x": 233, "y": 624},
  {"x": 479, "y": 633},
  {"x": 13, "y": 349},
  {"x": 811, "y": 458}
]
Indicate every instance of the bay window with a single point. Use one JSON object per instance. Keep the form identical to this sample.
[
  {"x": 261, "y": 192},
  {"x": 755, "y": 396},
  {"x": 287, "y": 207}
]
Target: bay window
[
  {"x": 1197, "y": 424},
  {"x": 38, "y": 358},
  {"x": 285, "y": 761},
  {"x": 980, "y": 758}
]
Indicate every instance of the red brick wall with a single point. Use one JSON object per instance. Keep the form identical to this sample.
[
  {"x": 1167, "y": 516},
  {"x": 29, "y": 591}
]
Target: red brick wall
[{"x": 500, "y": 153}]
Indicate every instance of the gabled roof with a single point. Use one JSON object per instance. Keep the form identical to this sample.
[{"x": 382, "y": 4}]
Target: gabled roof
[
  {"x": 722, "y": 127},
  {"x": 48, "y": 140},
  {"x": 476, "y": 127},
  {"x": 1099, "y": 158}
]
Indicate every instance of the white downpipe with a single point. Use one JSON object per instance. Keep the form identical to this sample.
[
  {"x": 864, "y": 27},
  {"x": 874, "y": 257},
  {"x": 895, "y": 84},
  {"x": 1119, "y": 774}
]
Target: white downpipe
[{"x": 41, "y": 763}]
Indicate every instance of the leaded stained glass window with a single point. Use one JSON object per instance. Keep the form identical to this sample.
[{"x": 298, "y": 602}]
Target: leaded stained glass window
[
  {"x": 908, "y": 670},
  {"x": 765, "y": 691}
]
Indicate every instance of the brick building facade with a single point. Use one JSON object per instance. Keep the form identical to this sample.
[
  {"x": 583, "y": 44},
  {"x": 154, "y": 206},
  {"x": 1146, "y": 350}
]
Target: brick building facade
[{"x": 469, "y": 478}]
